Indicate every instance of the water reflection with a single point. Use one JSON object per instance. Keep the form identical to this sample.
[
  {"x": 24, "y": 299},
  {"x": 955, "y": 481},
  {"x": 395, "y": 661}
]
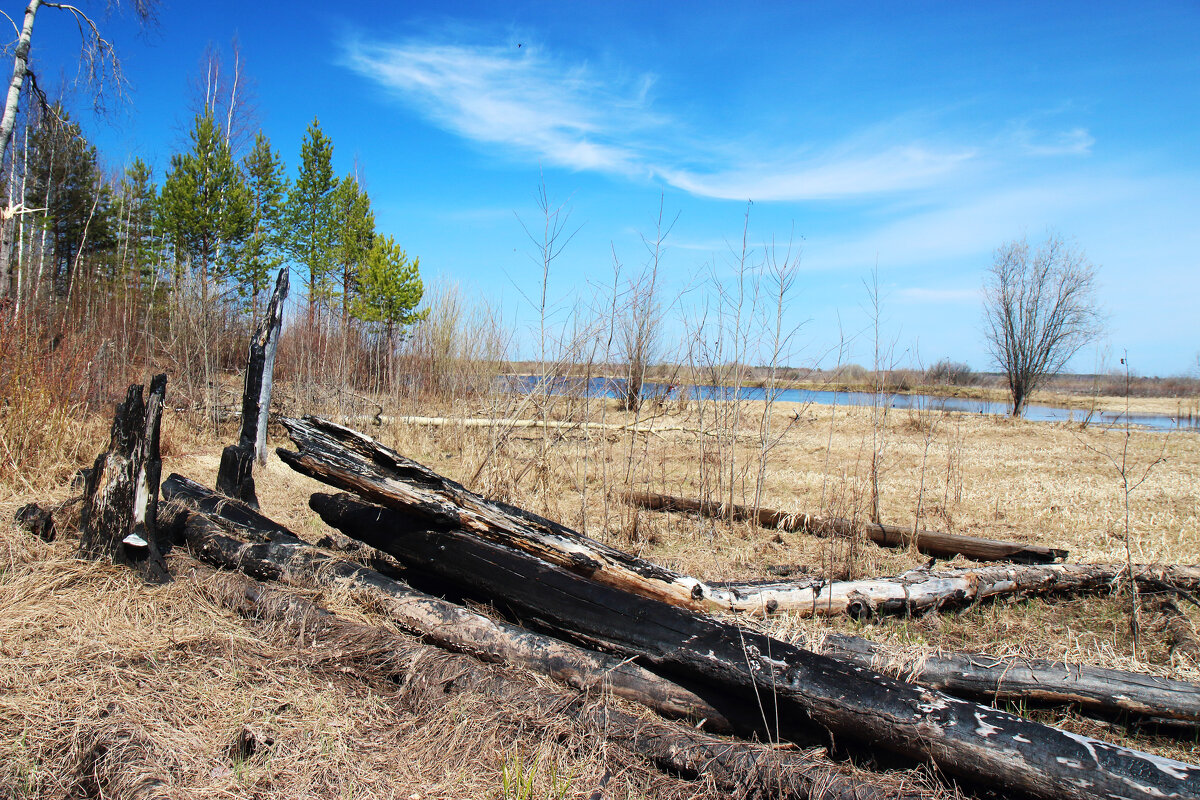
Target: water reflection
[{"x": 612, "y": 387}]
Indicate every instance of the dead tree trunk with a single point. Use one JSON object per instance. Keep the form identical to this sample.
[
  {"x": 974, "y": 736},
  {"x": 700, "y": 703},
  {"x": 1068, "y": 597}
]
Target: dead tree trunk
[
  {"x": 933, "y": 543},
  {"x": 437, "y": 678},
  {"x": 795, "y": 688},
  {"x": 214, "y": 535},
  {"x": 120, "y": 504},
  {"x": 235, "y": 476},
  {"x": 921, "y": 590},
  {"x": 355, "y": 462},
  {"x": 992, "y": 678}
]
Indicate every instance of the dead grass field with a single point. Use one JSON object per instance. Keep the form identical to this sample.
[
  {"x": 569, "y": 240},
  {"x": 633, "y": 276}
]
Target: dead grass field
[{"x": 86, "y": 648}]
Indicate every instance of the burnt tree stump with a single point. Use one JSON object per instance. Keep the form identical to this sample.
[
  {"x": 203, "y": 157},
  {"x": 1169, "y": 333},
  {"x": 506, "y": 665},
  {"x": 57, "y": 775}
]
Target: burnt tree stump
[
  {"x": 120, "y": 503},
  {"x": 235, "y": 476}
]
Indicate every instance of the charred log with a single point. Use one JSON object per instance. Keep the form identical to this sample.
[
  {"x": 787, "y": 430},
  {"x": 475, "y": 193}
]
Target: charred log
[
  {"x": 120, "y": 504},
  {"x": 352, "y": 461},
  {"x": 798, "y": 688},
  {"x": 990, "y": 678},
  {"x": 280, "y": 555},
  {"x": 434, "y": 678},
  {"x": 934, "y": 543}
]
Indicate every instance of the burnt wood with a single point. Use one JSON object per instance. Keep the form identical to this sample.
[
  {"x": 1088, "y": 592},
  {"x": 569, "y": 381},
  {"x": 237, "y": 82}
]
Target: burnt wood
[
  {"x": 991, "y": 678},
  {"x": 355, "y": 462},
  {"x": 235, "y": 475},
  {"x": 796, "y": 688},
  {"x": 120, "y": 506},
  {"x": 215, "y": 534},
  {"x": 436, "y": 678},
  {"x": 934, "y": 543}
]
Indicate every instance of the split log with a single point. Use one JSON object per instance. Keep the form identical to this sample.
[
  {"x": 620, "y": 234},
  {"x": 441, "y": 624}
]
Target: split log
[
  {"x": 991, "y": 678},
  {"x": 434, "y": 678},
  {"x": 933, "y": 543},
  {"x": 979, "y": 744},
  {"x": 352, "y": 461},
  {"x": 120, "y": 504},
  {"x": 235, "y": 476},
  {"x": 215, "y": 537}
]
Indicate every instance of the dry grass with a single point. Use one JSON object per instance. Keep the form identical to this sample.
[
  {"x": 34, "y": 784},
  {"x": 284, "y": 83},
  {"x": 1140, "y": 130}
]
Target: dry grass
[{"x": 169, "y": 677}]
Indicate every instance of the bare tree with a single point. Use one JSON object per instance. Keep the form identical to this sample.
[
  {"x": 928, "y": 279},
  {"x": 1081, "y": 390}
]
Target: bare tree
[
  {"x": 98, "y": 62},
  {"x": 639, "y": 330},
  {"x": 1039, "y": 309}
]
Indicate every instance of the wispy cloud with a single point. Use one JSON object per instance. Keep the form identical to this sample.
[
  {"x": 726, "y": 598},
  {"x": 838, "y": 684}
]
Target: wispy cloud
[
  {"x": 845, "y": 175},
  {"x": 517, "y": 98},
  {"x": 533, "y": 104},
  {"x": 1070, "y": 142}
]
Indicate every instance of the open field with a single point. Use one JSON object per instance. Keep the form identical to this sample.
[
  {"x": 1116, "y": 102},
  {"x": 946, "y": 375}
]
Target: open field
[{"x": 85, "y": 649}]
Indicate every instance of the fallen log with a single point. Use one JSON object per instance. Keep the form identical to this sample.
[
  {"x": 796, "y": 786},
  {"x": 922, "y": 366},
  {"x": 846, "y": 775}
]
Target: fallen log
[
  {"x": 434, "y": 678},
  {"x": 921, "y": 590},
  {"x": 991, "y": 678},
  {"x": 235, "y": 475},
  {"x": 120, "y": 504},
  {"x": 933, "y": 543},
  {"x": 796, "y": 688},
  {"x": 352, "y": 461},
  {"x": 215, "y": 534}
]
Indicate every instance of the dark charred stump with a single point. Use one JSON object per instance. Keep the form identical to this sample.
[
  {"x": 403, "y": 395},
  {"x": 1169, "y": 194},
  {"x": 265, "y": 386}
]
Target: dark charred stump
[
  {"x": 235, "y": 475},
  {"x": 120, "y": 504}
]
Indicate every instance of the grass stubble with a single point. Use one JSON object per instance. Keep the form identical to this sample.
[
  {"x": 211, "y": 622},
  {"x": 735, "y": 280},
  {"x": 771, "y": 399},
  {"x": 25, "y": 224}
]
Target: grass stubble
[{"x": 165, "y": 677}]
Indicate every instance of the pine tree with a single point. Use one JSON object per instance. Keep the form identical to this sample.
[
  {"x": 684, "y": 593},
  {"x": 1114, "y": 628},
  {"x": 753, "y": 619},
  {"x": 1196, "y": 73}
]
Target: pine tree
[
  {"x": 309, "y": 206},
  {"x": 65, "y": 179},
  {"x": 389, "y": 288},
  {"x": 354, "y": 233},
  {"x": 267, "y": 181},
  {"x": 206, "y": 207},
  {"x": 137, "y": 200}
]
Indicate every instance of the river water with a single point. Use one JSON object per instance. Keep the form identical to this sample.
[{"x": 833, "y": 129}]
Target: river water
[{"x": 610, "y": 387}]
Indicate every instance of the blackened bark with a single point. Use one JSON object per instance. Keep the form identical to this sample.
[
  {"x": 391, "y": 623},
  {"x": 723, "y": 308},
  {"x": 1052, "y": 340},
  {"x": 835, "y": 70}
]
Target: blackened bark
[
  {"x": 120, "y": 505},
  {"x": 798, "y": 688}
]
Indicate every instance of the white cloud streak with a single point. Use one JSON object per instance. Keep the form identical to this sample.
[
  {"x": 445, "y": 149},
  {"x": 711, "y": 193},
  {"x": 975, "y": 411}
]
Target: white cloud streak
[{"x": 532, "y": 105}]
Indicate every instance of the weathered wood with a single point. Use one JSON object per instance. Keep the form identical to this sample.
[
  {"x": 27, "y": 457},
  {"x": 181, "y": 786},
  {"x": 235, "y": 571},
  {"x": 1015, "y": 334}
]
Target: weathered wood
[
  {"x": 435, "y": 678},
  {"x": 991, "y": 678},
  {"x": 120, "y": 504},
  {"x": 268, "y": 334},
  {"x": 350, "y": 460},
  {"x": 235, "y": 476},
  {"x": 215, "y": 535},
  {"x": 934, "y": 543},
  {"x": 921, "y": 590},
  {"x": 355, "y": 462},
  {"x": 795, "y": 687}
]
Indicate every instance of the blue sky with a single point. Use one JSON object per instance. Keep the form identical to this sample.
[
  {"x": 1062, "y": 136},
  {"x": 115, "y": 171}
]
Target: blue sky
[{"x": 917, "y": 137}]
